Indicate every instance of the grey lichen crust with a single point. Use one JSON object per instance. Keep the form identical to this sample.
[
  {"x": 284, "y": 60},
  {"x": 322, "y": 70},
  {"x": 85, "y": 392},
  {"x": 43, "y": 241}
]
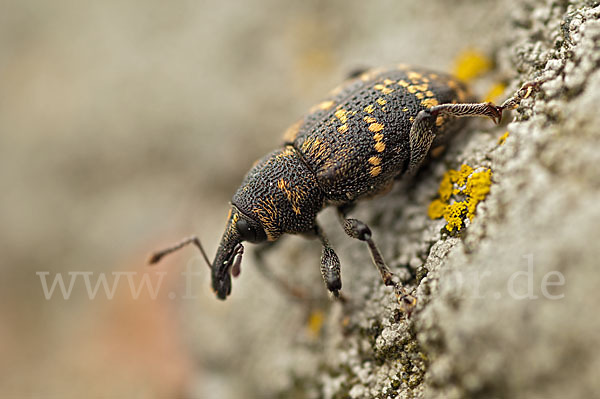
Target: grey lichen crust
[{"x": 473, "y": 334}]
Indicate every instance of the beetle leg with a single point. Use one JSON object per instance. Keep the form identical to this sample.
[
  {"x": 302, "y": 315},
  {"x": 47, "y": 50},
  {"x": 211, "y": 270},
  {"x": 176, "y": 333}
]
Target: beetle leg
[
  {"x": 330, "y": 264},
  {"x": 359, "y": 230},
  {"x": 283, "y": 285},
  {"x": 423, "y": 129}
]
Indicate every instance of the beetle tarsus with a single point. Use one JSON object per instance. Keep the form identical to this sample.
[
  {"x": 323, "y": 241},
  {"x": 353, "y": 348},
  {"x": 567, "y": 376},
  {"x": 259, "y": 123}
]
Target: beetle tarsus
[{"x": 359, "y": 230}]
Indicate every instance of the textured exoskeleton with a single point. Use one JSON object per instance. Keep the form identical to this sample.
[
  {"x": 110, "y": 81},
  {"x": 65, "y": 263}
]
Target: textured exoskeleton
[{"x": 353, "y": 145}]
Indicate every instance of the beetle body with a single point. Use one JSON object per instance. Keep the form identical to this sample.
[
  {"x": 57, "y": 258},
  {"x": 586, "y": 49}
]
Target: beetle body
[{"x": 352, "y": 145}]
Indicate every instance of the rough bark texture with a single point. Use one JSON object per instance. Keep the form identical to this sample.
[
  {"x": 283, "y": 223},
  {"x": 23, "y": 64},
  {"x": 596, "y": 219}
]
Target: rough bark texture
[
  {"x": 127, "y": 124},
  {"x": 474, "y": 334}
]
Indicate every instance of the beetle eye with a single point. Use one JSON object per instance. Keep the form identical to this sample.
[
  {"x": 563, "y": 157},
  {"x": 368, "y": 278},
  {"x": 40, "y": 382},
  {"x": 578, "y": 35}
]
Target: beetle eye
[{"x": 249, "y": 232}]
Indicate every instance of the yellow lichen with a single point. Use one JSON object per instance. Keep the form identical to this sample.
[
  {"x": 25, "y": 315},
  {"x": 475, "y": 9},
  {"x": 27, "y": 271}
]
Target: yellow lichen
[
  {"x": 445, "y": 189},
  {"x": 436, "y": 209},
  {"x": 466, "y": 189},
  {"x": 315, "y": 323},
  {"x": 471, "y": 63},
  {"x": 478, "y": 187},
  {"x": 495, "y": 92},
  {"x": 454, "y": 214},
  {"x": 503, "y": 138}
]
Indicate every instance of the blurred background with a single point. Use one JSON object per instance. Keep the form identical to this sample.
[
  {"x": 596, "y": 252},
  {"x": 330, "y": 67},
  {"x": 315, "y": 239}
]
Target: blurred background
[{"x": 127, "y": 125}]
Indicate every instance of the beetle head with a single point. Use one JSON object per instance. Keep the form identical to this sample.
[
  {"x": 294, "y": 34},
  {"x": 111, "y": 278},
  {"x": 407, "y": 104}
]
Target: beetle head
[{"x": 240, "y": 227}]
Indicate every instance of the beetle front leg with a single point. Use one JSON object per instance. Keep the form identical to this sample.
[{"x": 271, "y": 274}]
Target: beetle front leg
[{"x": 359, "y": 230}]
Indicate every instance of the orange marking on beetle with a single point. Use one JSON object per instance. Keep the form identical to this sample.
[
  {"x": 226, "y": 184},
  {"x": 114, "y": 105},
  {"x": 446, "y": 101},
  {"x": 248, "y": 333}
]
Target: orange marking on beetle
[
  {"x": 374, "y": 161},
  {"x": 420, "y": 96},
  {"x": 281, "y": 184},
  {"x": 414, "y": 75},
  {"x": 379, "y": 86},
  {"x": 403, "y": 83},
  {"x": 325, "y": 105},
  {"x": 381, "y": 101},
  {"x": 369, "y": 108},
  {"x": 452, "y": 84},
  {"x": 380, "y": 146},
  {"x": 404, "y": 109},
  {"x": 375, "y": 127},
  {"x": 341, "y": 115},
  {"x": 387, "y": 90},
  {"x": 343, "y": 128},
  {"x": 429, "y": 93},
  {"x": 388, "y": 82},
  {"x": 375, "y": 171},
  {"x": 369, "y": 119},
  {"x": 378, "y": 137},
  {"x": 429, "y": 102}
]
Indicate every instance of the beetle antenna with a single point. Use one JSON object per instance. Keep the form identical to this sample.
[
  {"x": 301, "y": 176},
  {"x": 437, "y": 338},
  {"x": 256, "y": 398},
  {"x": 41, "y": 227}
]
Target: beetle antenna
[{"x": 158, "y": 255}]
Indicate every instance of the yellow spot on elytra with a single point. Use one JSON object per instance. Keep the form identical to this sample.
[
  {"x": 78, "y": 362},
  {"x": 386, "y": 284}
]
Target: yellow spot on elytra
[
  {"x": 403, "y": 83},
  {"x": 470, "y": 64},
  {"x": 369, "y": 119},
  {"x": 429, "y": 102},
  {"x": 496, "y": 91},
  {"x": 404, "y": 109},
  {"x": 379, "y": 146},
  {"x": 375, "y": 171},
  {"x": 503, "y": 138},
  {"x": 375, "y": 127},
  {"x": 414, "y": 75},
  {"x": 343, "y": 128},
  {"x": 281, "y": 184},
  {"x": 374, "y": 161},
  {"x": 381, "y": 101},
  {"x": 429, "y": 93},
  {"x": 325, "y": 105},
  {"x": 388, "y": 82},
  {"x": 378, "y": 137},
  {"x": 420, "y": 96},
  {"x": 426, "y": 80},
  {"x": 412, "y": 89},
  {"x": 341, "y": 115},
  {"x": 379, "y": 86},
  {"x": 369, "y": 108},
  {"x": 387, "y": 90}
]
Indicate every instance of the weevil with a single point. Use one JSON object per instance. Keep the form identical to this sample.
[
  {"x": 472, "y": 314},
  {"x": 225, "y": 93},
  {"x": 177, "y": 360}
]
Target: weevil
[{"x": 371, "y": 130}]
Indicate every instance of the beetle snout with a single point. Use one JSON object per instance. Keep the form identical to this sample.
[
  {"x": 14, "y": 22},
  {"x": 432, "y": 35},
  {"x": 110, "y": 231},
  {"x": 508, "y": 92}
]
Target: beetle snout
[{"x": 227, "y": 263}]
